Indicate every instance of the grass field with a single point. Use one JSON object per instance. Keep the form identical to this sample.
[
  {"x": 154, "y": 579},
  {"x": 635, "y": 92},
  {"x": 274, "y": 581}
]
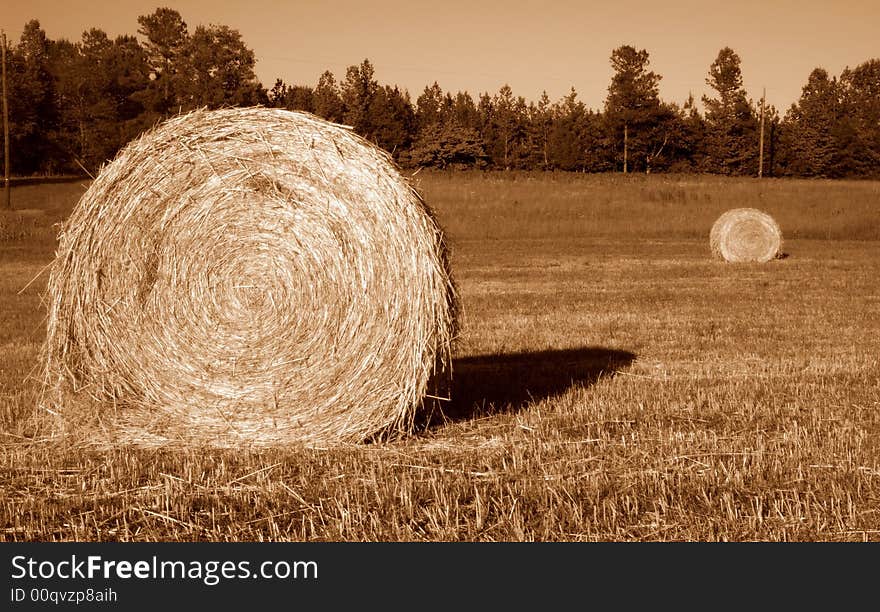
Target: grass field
[{"x": 612, "y": 382}]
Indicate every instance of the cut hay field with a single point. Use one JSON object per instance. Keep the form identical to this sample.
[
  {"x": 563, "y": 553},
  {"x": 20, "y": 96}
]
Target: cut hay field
[{"x": 612, "y": 382}]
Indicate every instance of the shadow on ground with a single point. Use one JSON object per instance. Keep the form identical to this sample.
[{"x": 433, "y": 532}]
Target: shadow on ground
[{"x": 507, "y": 382}]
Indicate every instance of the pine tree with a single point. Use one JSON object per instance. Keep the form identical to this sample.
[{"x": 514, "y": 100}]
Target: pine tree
[
  {"x": 541, "y": 119},
  {"x": 566, "y": 149},
  {"x": 505, "y": 128},
  {"x": 448, "y": 146},
  {"x": 731, "y": 124},
  {"x": 392, "y": 120},
  {"x": 97, "y": 85},
  {"x": 358, "y": 91},
  {"x": 216, "y": 69},
  {"x": 32, "y": 112},
  {"x": 464, "y": 111},
  {"x": 632, "y": 108},
  {"x": 858, "y": 133},
  {"x": 166, "y": 36},
  {"x": 809, "y": 127},
  {"x": 687, "y": 151},
  {"x": 327, "y": 99},
  {"x": 428, "y": 111},
  {"x": 291, "y": 97}
]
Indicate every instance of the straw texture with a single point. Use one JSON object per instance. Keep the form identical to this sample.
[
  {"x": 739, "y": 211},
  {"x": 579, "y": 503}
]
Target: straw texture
[
  {"x": 249, "y": 276},
  {"x": 745, "y": 235}
]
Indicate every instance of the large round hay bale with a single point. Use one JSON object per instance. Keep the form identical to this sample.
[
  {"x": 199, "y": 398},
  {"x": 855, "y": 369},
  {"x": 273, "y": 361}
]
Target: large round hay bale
[
  {"x": 745, "y": 235},
  {"x": 249, "y": 275}
]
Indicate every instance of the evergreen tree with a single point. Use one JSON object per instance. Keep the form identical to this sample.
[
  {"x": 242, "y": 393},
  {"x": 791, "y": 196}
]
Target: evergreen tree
[
  {"x": 358, "y": 91},
  {"x": 68, "y": 75},
  {"x": 772, "y": 133},
  {"x": 633, "y": 109},
  {"x": 166, "y": 37},
  {"x": 505, "y": 128},
  {"x": 447, "y": 135},
  {"x": 277, "y": 94},
  {"x": 597, "y": 157},
  {"x": 731, "y": 126},
  {"x": 857, "y": 135},
  {"x": 810, "y": 126},
  {"x": 448, "y": 146},
  {"x": 565, "y": 144},
  {"x": 291, "y": 97},
  {"x": 96, "y": 108},
  {"x": 96, "y": 84},
  {"x": 429, "y": 108},
  {"x": 127, "y": 64},
  {"x": 689, "y": 154},
  {"x": 392, "y": 120},
  {"x": 326, "y": 98},
  {"x": 576, "y": 138},
  {"x": 300, "y": 97},
  {"x": 541, "y": 120},
  {"x": 32, "y": 112},
  {"x": 216, "y": 69},
  {"x": 464, "y": 111},
  {"x": 663, "y": 135}
]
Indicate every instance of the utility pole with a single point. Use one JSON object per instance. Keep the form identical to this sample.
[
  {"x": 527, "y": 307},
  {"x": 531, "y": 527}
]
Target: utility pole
[
  {"x": 7, "y": 198},
  {"x": 761, "y": 139}
]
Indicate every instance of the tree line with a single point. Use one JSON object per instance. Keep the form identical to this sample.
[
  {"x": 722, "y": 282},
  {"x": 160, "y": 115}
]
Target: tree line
[{"x": 72, "y": 105}]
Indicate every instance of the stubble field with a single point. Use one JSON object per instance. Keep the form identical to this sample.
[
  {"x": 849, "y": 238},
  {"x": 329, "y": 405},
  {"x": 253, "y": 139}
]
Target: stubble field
[{"x": 612, "y": 382}]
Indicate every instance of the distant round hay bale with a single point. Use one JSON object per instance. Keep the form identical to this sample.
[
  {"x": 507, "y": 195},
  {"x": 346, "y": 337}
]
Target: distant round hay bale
[
  {"x": 745, "y": 235},
  {"x": 249, "y": 275}
]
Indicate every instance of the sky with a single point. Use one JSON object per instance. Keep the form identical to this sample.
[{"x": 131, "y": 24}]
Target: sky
[{"x": 480, "y": 45}]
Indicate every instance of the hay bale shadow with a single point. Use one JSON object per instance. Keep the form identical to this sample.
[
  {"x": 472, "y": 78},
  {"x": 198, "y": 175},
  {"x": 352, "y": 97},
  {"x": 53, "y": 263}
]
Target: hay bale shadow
[{"x": 507, "y": 382}]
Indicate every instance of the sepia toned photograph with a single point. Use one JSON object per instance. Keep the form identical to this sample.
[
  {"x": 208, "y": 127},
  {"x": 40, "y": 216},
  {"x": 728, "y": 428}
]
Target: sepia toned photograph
[{"x": 390, "y": 271}]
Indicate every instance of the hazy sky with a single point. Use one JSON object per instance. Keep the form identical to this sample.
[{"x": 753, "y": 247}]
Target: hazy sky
[{"x": 479, "y": 45}]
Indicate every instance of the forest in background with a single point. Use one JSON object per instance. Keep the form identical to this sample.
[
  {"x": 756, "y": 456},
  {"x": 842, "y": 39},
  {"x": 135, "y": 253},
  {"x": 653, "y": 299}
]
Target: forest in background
[{"x": 73, "y": 105}]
